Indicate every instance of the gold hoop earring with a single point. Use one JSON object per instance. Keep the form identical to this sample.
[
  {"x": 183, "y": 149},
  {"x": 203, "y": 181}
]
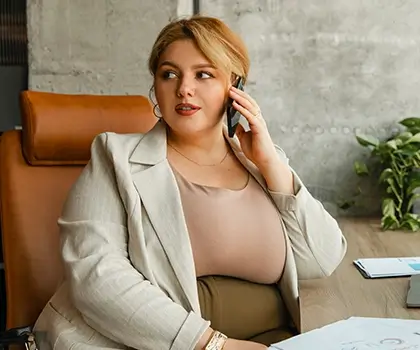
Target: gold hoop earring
[{"x": 155, "y": 110}]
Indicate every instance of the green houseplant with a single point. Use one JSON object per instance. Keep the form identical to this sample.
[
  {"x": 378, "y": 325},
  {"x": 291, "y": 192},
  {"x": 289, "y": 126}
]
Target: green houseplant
[{"x": 397, "y": 160}]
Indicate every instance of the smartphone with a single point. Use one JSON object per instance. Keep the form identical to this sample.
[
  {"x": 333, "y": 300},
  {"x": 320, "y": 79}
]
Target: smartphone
[{"x": 233, "y": 116}]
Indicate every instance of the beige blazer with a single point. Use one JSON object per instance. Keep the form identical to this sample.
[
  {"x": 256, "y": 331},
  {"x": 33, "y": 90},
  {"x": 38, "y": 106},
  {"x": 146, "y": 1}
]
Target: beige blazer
[{"x": 130, "y": 279}]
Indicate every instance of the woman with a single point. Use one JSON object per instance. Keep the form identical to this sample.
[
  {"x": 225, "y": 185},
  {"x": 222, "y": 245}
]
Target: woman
[{"x": 184, "y": 238}]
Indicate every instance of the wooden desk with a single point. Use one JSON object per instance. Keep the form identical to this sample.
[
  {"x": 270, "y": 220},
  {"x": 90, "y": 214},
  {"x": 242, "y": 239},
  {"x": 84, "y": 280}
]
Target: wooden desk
[{"x": 346, "y": 293}]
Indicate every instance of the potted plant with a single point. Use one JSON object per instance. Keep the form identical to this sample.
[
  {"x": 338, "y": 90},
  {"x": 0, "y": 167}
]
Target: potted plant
[{"x": 397, "y": 160}]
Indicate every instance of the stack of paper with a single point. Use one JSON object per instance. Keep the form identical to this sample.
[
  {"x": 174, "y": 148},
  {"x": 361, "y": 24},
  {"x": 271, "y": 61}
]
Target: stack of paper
[
  {"x": 388, "y": 267},
  {"x": 358, "y": 333}
]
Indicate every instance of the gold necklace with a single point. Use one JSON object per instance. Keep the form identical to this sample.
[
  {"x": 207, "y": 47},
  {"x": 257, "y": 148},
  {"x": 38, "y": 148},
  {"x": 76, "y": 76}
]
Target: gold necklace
[{"x": 193, "y": 161}]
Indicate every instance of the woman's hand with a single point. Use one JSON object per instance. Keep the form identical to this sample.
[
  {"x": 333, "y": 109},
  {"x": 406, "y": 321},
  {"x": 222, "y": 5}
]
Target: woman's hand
[
  {"x": 233, "y": 344},
  {"x": 258, "y": 146}
]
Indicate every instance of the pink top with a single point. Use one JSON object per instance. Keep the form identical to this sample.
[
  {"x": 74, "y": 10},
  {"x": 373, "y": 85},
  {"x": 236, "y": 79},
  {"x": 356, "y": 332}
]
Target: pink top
[{"x": 234, "y": 233}]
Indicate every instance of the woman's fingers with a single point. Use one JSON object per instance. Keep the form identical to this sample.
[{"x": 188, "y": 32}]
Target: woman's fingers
[
  {"x": 244, "y": 95},
  {"x": 245, "y": 112},
  {"x": 253, "y": 119},
  {"x": 246, "y": 105},
  {"x": 244, "y": 101}
]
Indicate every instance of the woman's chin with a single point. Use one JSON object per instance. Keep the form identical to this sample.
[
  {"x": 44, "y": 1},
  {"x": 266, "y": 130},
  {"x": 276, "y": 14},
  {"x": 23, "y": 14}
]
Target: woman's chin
[
  {"x": 182, "y": 125},
  {"x": 190, "y": 129},
  {"x": 192, "y": 125}
]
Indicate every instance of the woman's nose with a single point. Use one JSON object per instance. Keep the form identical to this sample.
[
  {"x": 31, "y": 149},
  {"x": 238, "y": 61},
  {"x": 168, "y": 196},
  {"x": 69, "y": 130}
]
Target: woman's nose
[{"x": 186, "y": 87}]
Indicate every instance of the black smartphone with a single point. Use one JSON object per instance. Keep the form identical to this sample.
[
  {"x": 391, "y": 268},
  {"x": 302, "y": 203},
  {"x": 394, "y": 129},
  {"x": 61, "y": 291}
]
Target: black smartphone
[{"x": 233, "y": 116}]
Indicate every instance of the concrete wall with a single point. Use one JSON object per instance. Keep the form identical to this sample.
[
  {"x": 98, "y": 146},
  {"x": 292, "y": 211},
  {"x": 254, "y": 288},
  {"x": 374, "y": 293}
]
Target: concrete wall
[
  {"x": 98, "y": 46},
  {"x": 320, "y": 70}
]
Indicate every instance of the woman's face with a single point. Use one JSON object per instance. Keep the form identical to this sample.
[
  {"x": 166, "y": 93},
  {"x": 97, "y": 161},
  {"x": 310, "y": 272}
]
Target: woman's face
[{"x": 191, "y": 93}]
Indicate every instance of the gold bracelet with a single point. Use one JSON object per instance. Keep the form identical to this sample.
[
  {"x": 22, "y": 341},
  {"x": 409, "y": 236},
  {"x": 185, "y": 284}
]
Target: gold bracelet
[{"x": 217, "y": 341}]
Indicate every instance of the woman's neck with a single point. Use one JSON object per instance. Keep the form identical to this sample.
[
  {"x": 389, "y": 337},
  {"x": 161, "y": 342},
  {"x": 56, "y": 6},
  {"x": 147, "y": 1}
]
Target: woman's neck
[{"x": 211, "y": 145}]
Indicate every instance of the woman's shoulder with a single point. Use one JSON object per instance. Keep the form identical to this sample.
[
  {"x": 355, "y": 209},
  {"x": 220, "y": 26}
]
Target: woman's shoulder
[
  {"x": 127, "y": 142},
  {"x": 115, "y": 143}
]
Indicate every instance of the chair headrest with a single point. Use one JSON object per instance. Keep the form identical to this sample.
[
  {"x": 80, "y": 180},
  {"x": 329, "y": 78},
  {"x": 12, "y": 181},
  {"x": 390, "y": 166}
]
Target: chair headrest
[{"x": 58, "y": 129}]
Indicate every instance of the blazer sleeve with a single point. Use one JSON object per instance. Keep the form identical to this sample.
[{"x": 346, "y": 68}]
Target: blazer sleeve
[
  {"x": 316, "y": 239},
  {"x": 111, "y": 295}
]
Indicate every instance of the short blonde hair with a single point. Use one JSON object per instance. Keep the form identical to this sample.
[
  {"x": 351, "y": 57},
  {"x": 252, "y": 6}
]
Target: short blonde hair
[{"x": 219, "y": 44}]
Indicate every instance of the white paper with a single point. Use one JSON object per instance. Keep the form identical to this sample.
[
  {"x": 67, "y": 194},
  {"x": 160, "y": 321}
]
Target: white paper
[
  {"x": 358, "y": 333},
  {"x": 389, "y": 267}
]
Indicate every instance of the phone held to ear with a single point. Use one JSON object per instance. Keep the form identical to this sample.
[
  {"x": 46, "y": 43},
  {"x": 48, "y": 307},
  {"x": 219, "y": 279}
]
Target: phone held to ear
[{"x": 233, "y": 116}]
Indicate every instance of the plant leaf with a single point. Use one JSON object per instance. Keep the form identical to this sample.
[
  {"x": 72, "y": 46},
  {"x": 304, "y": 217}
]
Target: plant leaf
[
  {"x": 414, "y": 130},
  {"x": 410, "y": 225},
  {"x": 413, "y": 198},
  {"x": 367, "y": 140},
  {"x": 404, "y": 136},
  {"x": 413, "y": 186},
  {"x": 360, "y": 168},
  {"x": 411, "y": 216},
  {"x": 388, "y": 207},
  {"x": 389, "y": 222},
  {"x": 398, "y": 142},
  {"x": 409, "y": 150},
  {"x": 385, "y": 175},
  {"x": 392, "y": 144},
  {"x": 411, "y": 222},
  {"x": 414, "y": 138},
  {"x": 393, "y": 189},
  {"x": 410, "y": 122},
  {"x": 413, "y": 182}
]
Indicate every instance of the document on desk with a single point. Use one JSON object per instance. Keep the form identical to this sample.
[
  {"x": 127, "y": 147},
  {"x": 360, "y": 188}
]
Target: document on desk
[
  {"x": 358, "y": 333},
  {"x": 388, "y": 267}
]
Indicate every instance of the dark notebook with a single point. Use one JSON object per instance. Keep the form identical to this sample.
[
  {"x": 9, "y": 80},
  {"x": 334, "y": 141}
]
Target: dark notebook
[{"x": 413, "y": 295}]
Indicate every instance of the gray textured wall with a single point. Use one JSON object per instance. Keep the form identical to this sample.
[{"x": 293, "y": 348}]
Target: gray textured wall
[
  {"x": 98, "y": 46},
  {"x": 320, "y": 70}
]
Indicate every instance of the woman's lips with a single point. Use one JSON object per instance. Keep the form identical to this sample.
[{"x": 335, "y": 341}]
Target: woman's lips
[{"x": 186, "y": 109}]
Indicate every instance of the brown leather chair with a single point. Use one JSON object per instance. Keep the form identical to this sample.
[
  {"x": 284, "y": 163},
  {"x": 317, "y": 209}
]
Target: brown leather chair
[{"x": 38, "y": 165}]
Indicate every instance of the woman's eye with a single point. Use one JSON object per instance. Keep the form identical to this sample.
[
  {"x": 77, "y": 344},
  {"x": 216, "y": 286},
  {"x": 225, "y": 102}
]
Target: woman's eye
[
  {"x": 169, "y": 75},
  {"x": 204, "y": 75}
]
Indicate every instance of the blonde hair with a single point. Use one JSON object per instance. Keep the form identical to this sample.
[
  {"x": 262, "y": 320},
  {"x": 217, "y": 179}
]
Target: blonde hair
[{"x": 218, "y": 43}]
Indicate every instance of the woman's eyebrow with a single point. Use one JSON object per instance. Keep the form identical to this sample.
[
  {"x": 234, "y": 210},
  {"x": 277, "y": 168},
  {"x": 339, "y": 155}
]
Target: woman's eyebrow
[
  {"x": 196, "y": 66},
  {"x": 168, "y": 63},
  {"x": 204, "y": 65}
]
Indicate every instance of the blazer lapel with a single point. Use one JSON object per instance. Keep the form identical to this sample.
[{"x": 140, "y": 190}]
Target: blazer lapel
[{"x": 160, "y": 196}]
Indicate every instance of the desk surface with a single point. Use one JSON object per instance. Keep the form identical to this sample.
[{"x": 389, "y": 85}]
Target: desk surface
[{"x": 346, "y": 293}]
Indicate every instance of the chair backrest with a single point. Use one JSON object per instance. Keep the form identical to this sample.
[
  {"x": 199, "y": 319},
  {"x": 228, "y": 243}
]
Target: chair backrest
[{"x": 38, "y": 165}]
